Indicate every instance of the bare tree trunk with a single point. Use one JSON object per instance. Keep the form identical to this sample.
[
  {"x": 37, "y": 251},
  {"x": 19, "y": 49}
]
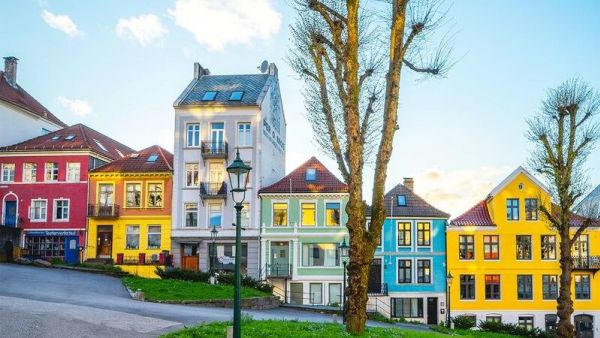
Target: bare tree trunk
[
  {"x": 358, "y": 273},
  {"x": 564, "y": 308}
]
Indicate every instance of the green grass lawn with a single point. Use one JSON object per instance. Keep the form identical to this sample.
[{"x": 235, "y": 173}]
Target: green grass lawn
[{"x": 178, "y": 290}]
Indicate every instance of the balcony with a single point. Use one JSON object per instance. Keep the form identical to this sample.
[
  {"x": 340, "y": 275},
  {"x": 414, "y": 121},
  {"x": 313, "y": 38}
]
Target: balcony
[
  {"x": 214, "y": 150},
  {"x": 278, "y": 270},
  {"x": 103, "y": 211},
  {"x": 377, "y": 289},
  {"x": 211, "y": 190},
  {"x": 586, "y": 263}
]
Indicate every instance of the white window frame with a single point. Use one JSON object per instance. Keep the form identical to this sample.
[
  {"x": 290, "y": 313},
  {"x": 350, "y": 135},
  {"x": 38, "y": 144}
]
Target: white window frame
[
  {"x": 185, "y": 213},
  {"x": 187, "y": 135},
  {"x": 313, "y": 202},
  {"x": 325, "y": 213},
  {"x": 31, "y": 208},
  {"x": 73, "y": 177},
  {"x": 46, "y": 167},
  {"x": 159, "y": 233},
  {"x": 189, "y": 164},
  {"x": 138, "y": 235},
  {"x": 208, "y": 212},
  {"x": 417, "y": 270},
  {"x": 5, "y": 166},
  {"x": 55, "y": 206},
  {"x": 287, "y": 213},
  {"x": 247, "y": 135},
  {"x": 32, "y": 172}
]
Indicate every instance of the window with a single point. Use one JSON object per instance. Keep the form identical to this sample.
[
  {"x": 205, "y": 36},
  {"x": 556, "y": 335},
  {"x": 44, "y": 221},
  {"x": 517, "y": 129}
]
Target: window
[
  {"x": 492, "y": 286},
  {"x": 51, "y": 172},
  {"x": 153, "y": 236},
  {"x": 308, "y": 214},
  {"x": 246, "y": 215},
  {"x": 100, "y": 145},
  {"x": 401, "y": 200},
  {"x": 132, "y": 237},
  {"x": 73, "y": 172},
  {"x": 134, "y": 195},
  {"x": 550, "y": 320},
  {"x": 493, "y": 319},
  {"x": 37, "y": 211},
  {"x": 332, "y": 214},
  {"x": 404, "y": 271},
  {"x": 512, "y": 209},
  {"x": 55, "y": 137},
  {"x": 335, "y": 294},
  {"x": 466, "y": 247},
  {"x": 423, "y": 271},
  {"x": 523, "y": 247},
  {"x": 280, "y": 214},
  {"x": 225, "y": 259},
  {"x": 491, "y": 247},
  {"x": 311, "y": 174},
  {"x": 548, "y": 247},
  {"x": 524, "y": 287},
  {"x": 236, "y": 96},
  {"x": 8, "y": 172},
  {"x": 407, "y": 307},
  {"x": 105, "y": 194},
  {"x": 467, "y": 286},
  {"x": 404, "y": 233},
  {"x": 550, "y": 287},
  {"x": 155, "y": 195},
  {"x": 316, "y": 293},
  {"x": 191, "y": 215},
  {"x": 531, "y": 209},
  {"x": 152, "y": 158},
  {"x": 61, "y": 210},
  {"x": 580, "y": 250},
  {"x": 215, "y": 211},
  {"x": 320, "y": 254},
  {"x": 45, "y": 246},
  {"x": 423, "y": 234},
  {"x": 69, "y": 137},
  {"x": 209, "y": 96},
  {"x": 29, "y": 172},
  {"x": 526, "y": 322},
  {"x": 244, "y": 135},
  {"x": 582, "y": 286},
  {"x": 193, "y": 135},
  {"x": 191, "y": 175}
]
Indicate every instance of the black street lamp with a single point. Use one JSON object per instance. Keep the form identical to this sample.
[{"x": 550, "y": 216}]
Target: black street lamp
[
  {"x": 344, "y": 248},
  {"x": 449, "y": 279},
  {"x": 213, "y": 251},
  {"x": 238, "y": 179}
]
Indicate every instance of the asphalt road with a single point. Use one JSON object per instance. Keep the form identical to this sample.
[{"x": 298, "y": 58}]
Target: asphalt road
[{"x": 39, "y": 302}]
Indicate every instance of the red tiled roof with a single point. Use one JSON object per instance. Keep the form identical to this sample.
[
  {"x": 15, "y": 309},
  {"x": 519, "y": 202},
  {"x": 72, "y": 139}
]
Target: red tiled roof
[
  {"x": 20, "y": 98},
  {"x": 138, "y": 162},
  {"x": 83, "y": 138},
  {"x": 295, "y": 182},
  {"x": 477, "y": 215},
  {"x": 416, "y": 206}
]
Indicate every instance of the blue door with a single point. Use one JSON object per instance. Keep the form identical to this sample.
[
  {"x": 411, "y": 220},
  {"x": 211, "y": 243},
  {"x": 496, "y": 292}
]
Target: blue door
[
  {"x": 10, "y": 213},
  {"x": 71, "y": 249}
]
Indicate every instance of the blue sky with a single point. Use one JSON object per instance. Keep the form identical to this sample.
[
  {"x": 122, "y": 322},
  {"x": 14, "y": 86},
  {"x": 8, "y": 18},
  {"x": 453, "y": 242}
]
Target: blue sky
[{"x": 117, "y": 66}]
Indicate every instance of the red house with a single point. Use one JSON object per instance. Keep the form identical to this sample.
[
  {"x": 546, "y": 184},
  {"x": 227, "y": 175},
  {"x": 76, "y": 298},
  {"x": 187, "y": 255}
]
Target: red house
[{"x": 44, "y": 188}]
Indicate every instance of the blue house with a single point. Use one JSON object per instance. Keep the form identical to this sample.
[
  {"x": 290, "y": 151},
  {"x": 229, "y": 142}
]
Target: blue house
[{"x": 408, "y": 275}]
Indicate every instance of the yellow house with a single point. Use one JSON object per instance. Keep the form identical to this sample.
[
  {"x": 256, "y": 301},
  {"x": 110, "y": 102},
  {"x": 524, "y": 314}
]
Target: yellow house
[
  {"x": 129, "y": 215},
  {"x": 504, "y": 260}
]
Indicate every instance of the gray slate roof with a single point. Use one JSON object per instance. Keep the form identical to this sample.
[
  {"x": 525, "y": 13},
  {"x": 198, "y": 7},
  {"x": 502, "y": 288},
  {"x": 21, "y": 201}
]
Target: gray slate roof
[
  {"x": 415, "y": 205},
  {"x": 252, "y": 85},
  {"x": 591, "y": 201}
]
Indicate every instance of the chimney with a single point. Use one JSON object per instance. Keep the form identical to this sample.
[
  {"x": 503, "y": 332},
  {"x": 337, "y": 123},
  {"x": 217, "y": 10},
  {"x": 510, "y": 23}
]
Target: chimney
[
  {"x": 409, "y": 183},
  {"x": 199, "y": 71},
  {"x": 272, "y": 69},
  {"x": 10, "y": 70}
]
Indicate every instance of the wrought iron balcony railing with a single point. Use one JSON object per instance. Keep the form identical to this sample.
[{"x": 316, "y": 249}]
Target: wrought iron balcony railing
[
  {"x": 278, "y": 270},
  {"x": 103, "y": 211},
  {"x": 591, "y": 263},
  {"x": 212, "y": 149},
  {"x": 377, "y": 289},
  {"x": 213, "y": 190}
]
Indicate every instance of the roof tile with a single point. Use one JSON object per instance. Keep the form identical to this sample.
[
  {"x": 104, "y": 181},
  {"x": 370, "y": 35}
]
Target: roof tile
[
  {"x": 251, "y": 84},
  {"x": 415, "y": 205},
  {"x": 295, "y": 182},
  {"x": 138, "y": 162},
  {"x": 476, "y": 216}
]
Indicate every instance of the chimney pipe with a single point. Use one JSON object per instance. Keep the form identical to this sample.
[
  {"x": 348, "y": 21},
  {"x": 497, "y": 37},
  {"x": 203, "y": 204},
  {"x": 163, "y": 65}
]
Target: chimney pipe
[
  {"x": 199, "y": 71},
  {"x": 10, "y": 70},
  {"x": 273, "y": 69},
  {"x": 409, "y": 183}
]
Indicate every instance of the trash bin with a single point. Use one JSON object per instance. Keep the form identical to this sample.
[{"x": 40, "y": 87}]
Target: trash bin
[{"x": 142, "y": 258}]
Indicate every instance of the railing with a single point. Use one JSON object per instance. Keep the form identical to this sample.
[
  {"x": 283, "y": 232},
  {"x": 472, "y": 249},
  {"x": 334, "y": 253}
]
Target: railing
[
  {"x": 278, "y": 270},
  {"x": 214, "y": 149},
  {"x": 106, "y": 211},
  {"x": 377, "y": 289},
  {"x": 213, "y": 190},
  {"x": 586, "y": 263},
  {"x": 144, "y": 259},
  {"x": 303, "y": 298},
  {"x": 379, "y": 306}
]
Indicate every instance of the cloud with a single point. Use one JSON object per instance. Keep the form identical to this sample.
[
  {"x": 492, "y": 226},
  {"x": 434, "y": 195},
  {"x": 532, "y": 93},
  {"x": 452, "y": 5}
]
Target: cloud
[
  {"x": 75, "y": 106},
  {"x": 219, "y": 23},
  {"x": 61, "y": 22},
  {"x": 457, "y": 191},
  {"x": 145, "y": 29}
]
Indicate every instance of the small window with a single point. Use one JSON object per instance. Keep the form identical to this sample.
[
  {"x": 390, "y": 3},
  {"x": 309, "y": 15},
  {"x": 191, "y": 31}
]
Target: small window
[
  {"x": 311, "y": 174},
  {"x": 119, "y": 152},
  {"x": 236, "y": 96},
  {"x": 209, "y": 96},
  {"x": 55, "y": 137},
  {"x": 100, "y": 145},
  {"x": 70, "y": 137},
  {"x": 152, "y": 158},
  {"x": 401, "y": 200}
]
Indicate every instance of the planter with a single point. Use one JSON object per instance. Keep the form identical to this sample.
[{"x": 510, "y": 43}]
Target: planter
[
  {"x": 142, "y": 258},
  {"x": 120, "y": 259}
]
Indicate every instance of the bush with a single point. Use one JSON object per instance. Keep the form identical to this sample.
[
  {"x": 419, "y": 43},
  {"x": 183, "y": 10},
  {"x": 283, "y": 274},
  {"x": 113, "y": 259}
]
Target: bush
[
  {"x": 515, "y": 330},
  {"x": 229, "y": 279},
  {"x": 56, "y": 261},
  {"x": 463, "y": 322},
  {"x": 183, "y": 274}
]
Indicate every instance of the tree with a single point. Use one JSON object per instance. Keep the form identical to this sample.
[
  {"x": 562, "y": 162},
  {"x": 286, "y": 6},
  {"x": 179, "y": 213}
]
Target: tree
[
  {"x": 351, "y": 59},
  {"x": 564, "y": 133}
]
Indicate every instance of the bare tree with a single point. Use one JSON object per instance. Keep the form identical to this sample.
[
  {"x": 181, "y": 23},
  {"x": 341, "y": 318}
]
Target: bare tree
[
  {"x": 564, "y": 133},
  {"x": 351, "y": 59}
]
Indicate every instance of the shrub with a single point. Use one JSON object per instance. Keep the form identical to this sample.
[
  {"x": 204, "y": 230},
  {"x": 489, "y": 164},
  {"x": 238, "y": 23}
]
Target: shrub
[
  {"x": 229, "y": 278},
  {"x": 183, "y": 274},
  {"x": 463, "y": 322},
  {"x": 515, "y": 330},
  {"x": 56, "y": 261}
]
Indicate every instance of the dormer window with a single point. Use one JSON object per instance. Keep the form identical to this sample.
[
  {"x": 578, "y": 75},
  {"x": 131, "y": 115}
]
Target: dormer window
[
  {"x": 401, "y": 200},
  {"x": 311, "y": 174},
  {"x": 236, "y": 96},
  {"x": 209, "y": 96},
  {"x": 55, "y": 138},
  {"x": 100, "y": 145},
  {"x": 152, "y": 158}
]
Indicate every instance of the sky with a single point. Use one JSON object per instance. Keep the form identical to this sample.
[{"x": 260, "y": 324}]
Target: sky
[{"x": 118, "y": 65}]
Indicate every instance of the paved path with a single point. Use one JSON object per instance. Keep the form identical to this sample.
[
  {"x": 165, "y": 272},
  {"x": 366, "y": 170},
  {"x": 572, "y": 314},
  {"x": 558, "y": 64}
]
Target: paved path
[{"x": 38, "y": 302}]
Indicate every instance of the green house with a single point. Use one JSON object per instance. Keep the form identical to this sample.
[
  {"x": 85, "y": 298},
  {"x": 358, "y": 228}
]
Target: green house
[{"x": 303, "y": 222}]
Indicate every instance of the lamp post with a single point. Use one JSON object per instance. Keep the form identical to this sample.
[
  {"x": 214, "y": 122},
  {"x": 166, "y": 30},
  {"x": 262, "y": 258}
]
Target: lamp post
[
  {"x": 449, "y": 279},
  {"x": 344, "y": 248},
  {"x": 238, "y": 173},
  {"x": 213, "y": 251}
]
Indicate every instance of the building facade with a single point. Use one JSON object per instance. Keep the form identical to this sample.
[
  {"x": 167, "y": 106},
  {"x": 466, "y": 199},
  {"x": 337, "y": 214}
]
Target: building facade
[
  {"x": 303, "y": 222},
  {"x": 504, "y": 259},
  {"x": 408, "y": 274},
  {"x": 44, "y": 185},
  {"x": 22, "y": 116},
  {"x": 214, "y": 116},
  {"x": 129, "y": 215}
]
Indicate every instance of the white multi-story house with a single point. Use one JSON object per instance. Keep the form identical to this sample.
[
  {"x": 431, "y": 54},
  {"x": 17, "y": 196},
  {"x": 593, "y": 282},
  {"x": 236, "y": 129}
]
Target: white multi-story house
[
  {"x": 214, "y": 116},
  {"x": 21, "y": 116}
]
